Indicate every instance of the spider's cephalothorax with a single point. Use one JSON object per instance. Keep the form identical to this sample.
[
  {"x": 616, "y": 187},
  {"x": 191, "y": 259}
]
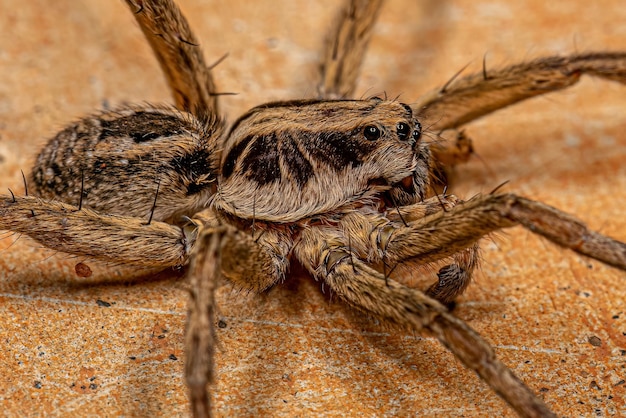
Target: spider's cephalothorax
[
  {"x": 321, "y": 157},
  {"x": 341, "y": 186}
]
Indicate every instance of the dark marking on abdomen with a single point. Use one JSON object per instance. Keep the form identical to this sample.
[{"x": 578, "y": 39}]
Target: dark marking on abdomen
[
  {"x": 141, "y": 127},
  {"x": 195, "y": 170}
]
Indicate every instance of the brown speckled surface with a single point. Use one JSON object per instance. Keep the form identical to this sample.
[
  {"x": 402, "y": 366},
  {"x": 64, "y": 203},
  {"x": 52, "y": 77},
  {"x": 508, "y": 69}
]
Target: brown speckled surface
[{"x": 557, "y": 319}]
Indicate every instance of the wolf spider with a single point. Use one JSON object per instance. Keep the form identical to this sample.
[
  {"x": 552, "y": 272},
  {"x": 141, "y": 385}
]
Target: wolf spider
[{"x": 340, "y": 186}]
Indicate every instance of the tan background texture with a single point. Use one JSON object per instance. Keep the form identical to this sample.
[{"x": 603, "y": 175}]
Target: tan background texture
[{"x": 557, "y": 319}]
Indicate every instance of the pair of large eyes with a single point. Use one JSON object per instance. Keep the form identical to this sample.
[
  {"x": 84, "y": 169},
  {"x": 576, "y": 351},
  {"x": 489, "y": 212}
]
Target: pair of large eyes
[{"x": 372, "y": 133}]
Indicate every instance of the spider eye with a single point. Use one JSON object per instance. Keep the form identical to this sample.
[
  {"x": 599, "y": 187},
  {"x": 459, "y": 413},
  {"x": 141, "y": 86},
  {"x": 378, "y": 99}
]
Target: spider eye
[
  {"x": 403, "y": 130},
  {"x": 417, "y": 133},
  {"x": 371, "y": 132}
]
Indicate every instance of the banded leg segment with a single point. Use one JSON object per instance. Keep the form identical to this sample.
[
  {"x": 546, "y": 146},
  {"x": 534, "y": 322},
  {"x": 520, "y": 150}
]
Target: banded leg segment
[
  {"x": 255, "y": 264},
  {"x": 201, "y": 340},
  {"x": 453, "y": 279},
  {"x": 442, "y": 227},
  {"x": 327, "y": 256},
  {"x": 447, "y": 232},
  {"x": 84, "y": 232},
  {"x": 467, "y": 98},
  {"x": 179, "y": 54},
  {"x": 222, "y": 251},
  {"x": 345, "y": 49},
  {"x": 370, "y": 236}
]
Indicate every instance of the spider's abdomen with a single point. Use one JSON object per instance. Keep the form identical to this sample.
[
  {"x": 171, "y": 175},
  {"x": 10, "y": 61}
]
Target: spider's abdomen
[
  {"x": 118, "y": 159},
  {"x": 286, "y": 161}
]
